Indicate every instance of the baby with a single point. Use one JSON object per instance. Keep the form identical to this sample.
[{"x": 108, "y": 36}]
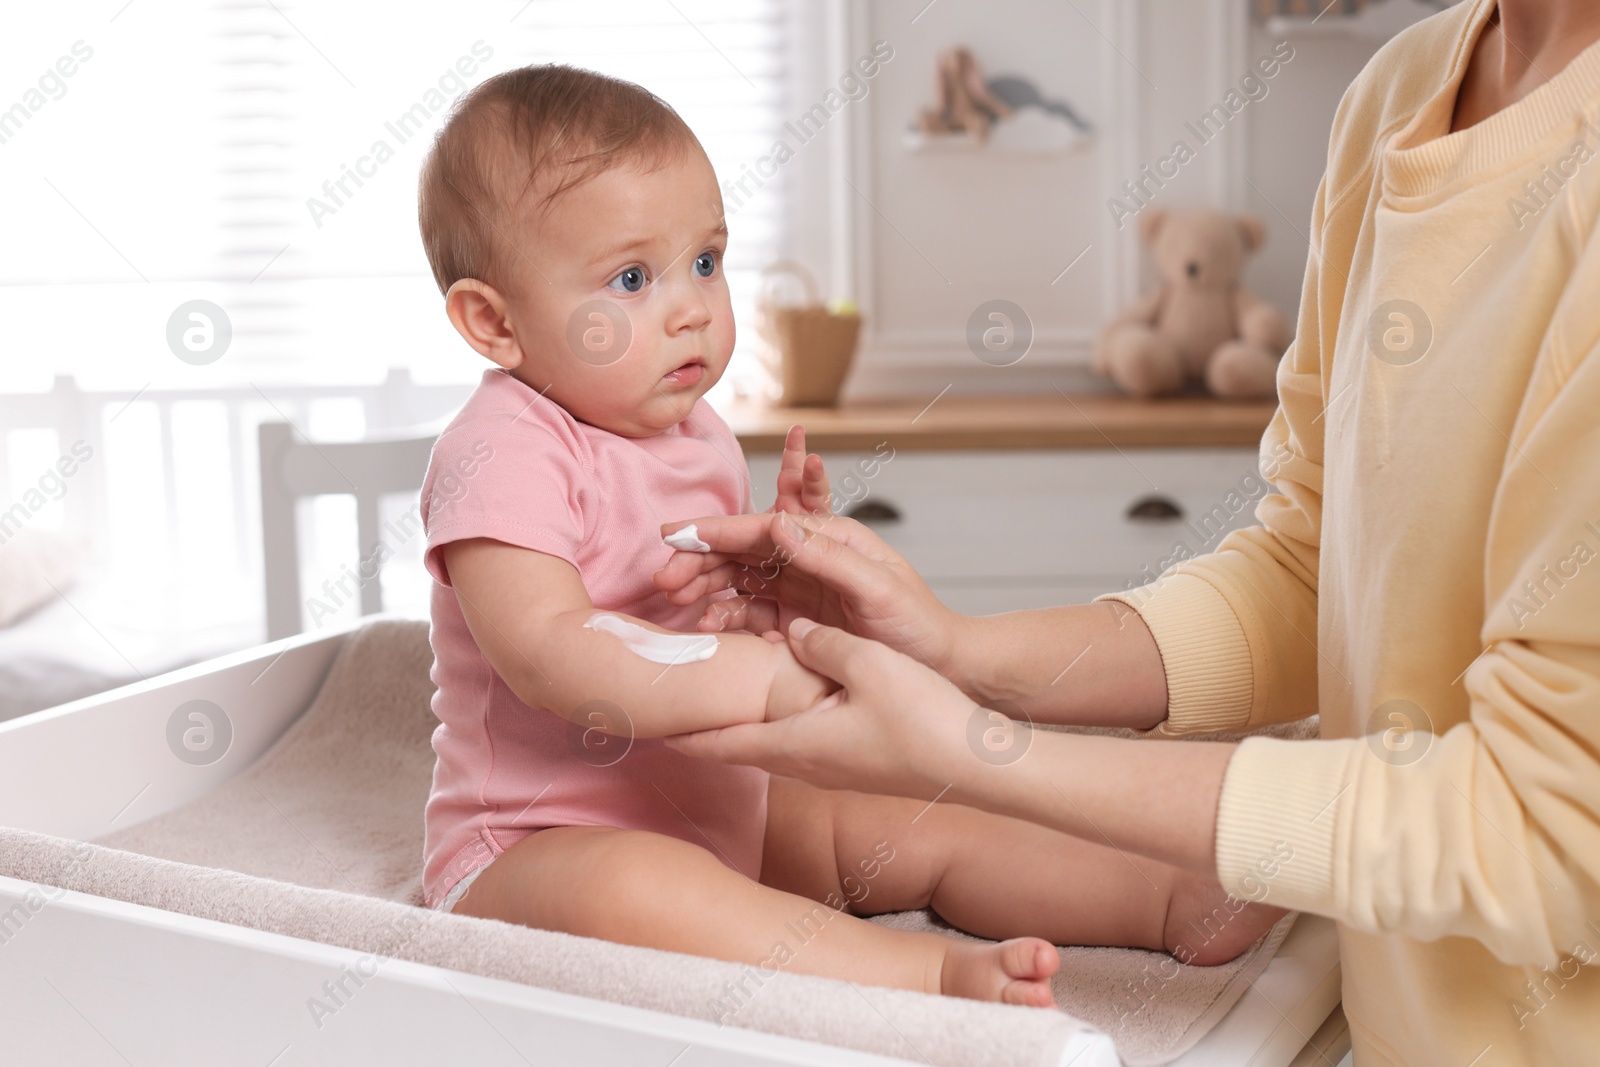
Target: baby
[{"x": 576, "y": 227}]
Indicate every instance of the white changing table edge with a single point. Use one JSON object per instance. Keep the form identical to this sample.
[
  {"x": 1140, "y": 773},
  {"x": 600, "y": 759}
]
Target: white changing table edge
[
  {"x": 270, "y": 686},
  {"x": 119, "y": 968}
]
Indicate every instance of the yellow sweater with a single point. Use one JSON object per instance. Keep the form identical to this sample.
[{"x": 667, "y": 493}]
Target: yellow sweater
[{"x": 1429, "y": 562}]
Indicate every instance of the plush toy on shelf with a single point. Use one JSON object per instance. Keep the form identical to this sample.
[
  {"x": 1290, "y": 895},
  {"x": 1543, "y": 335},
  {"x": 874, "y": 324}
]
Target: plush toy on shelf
[
  {"x": 1201, "y": 324},
  {"x": 1007, "y": 114},
  {"x": 965, "y": 101}
]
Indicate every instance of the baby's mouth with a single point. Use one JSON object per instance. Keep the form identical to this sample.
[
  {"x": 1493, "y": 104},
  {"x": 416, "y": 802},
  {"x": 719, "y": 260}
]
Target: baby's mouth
[{"x": 687, "y": 373}]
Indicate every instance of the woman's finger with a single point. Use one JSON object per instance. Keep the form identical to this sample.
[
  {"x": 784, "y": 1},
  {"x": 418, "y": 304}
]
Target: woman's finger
[
  {"x": 758, "y": 744},
  {"x": 821, "y": 549},
  {"x": 752, "y": 534},
  {"x": 730, "y": 535},
  {"x": 833, "y": 653},
  {"x": 846, "y": 531}
]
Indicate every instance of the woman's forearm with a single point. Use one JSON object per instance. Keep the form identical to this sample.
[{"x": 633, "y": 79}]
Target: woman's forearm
[
  {"x": 1148, "y": 798},
  {"x": 1080, "y": 664},
  {"x": 1090, "y": 664},
  {"x": 901, "y": 728}
]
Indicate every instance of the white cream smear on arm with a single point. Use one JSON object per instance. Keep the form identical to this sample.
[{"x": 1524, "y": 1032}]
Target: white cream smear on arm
[
  {"x": 657, "y": 648},
  {"x": 686, "y": 540}
]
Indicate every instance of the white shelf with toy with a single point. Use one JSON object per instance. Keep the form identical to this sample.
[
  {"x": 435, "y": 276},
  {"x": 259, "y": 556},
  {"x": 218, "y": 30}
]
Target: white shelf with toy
[
  {"x": 1005, "y": 114},
  {"x": 1026, "y": 131}
]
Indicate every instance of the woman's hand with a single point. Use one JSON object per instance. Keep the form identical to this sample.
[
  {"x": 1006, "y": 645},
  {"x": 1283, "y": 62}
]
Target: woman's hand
[
  {"x": 895, "y": 727},
  {"x": 789, "y": 569},
  {"x": 827, "y": 568},
  {"x": 900, "y": 729}
]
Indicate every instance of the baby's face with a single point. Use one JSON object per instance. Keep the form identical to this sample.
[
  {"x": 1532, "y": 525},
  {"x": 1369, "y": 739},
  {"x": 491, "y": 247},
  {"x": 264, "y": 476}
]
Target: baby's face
[{"x": 619, "y": 303}]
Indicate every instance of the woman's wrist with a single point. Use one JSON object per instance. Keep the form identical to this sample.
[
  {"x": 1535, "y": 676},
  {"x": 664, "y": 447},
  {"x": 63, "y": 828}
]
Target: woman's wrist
[{"x": 968, "y": 663}]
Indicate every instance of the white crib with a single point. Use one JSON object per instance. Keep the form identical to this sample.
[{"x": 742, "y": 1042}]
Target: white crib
[{"x": 195, "y": 531}]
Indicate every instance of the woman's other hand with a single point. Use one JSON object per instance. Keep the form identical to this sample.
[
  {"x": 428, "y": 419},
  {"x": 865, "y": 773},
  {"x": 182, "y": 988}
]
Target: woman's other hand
[
  {"x": 827, "y": 568},
  {"x": 896, "y": 727}
]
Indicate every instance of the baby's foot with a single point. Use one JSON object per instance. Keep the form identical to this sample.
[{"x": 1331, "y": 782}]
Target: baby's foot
[
  {"x": 1013, "y": 972},
  {"x": 1205, "y": 926}
]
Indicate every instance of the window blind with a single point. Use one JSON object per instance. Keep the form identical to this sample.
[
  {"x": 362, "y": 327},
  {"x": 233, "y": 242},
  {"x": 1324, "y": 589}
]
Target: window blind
[{"x": 188, "y": 157}]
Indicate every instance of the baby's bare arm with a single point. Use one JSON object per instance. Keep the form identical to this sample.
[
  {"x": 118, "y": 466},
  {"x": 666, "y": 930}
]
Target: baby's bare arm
[{"x": 527, "y": 611}]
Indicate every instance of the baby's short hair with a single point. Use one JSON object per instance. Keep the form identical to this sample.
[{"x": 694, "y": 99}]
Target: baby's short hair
[{"x": 541, "y": 129}]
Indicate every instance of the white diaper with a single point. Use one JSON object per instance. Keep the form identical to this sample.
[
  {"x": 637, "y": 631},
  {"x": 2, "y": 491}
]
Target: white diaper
[{"x": 459, "y": 890}]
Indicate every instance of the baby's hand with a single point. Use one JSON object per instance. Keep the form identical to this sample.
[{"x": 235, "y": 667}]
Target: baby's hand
[
  {"x": 802, "y": 483},
  {"x": 794, "y": 688}
]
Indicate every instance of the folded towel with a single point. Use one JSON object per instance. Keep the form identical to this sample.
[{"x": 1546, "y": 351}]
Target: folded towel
[{"x": 336, "y": 805}]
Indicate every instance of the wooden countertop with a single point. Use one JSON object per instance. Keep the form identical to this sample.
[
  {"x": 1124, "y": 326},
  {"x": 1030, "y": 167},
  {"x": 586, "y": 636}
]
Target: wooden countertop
[{"x": 1048, "y": 420}]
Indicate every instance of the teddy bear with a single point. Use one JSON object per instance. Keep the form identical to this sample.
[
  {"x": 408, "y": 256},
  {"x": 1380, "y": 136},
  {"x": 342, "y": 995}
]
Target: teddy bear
[{"x": 1201, "y": 324}]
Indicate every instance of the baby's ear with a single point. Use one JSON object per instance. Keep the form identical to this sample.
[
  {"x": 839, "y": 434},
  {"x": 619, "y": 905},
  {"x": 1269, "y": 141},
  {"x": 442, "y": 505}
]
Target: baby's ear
[{"x": 478, "y": 312}]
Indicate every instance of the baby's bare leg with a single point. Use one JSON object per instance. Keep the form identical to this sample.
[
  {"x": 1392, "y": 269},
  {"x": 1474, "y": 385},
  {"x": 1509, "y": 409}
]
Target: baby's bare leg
[
  {"x": 641, "y": 888},
  {"x": 998, "y": 877}
]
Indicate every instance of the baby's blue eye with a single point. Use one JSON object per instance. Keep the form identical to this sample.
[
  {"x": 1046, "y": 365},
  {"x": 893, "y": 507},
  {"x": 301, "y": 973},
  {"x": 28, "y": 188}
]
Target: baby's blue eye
[
  {"x": 706, "y": 264},
  {"x": 629, "y": 281}
]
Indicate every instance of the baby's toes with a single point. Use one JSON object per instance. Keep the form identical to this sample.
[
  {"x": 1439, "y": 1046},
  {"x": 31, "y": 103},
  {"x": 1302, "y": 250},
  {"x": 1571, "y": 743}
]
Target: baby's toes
[
  {"x": 1028, "y": 994},
  {"x": 1028, "y": 962},
  {"x": 1029, "y": 958}
]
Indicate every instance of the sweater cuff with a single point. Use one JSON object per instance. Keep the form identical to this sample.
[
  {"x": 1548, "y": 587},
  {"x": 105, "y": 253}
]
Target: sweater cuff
[
  {"x": 1203, "y": 650},
  {"x": 1278, "y": 817}
]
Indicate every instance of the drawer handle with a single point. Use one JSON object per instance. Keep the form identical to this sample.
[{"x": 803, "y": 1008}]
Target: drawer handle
[
  {"x": 1155, "y": 509},
  {"x": 871, "y": 511}
]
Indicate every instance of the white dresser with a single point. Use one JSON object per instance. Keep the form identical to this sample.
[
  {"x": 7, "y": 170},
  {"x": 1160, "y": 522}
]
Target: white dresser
[
  {"x": 1001, "y": 529},
  {"x": 1027, "y": 501}
]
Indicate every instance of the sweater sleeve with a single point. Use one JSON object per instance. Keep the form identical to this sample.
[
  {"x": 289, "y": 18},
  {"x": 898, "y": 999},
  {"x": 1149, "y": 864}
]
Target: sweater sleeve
[{"x": 1490, "y": 830}]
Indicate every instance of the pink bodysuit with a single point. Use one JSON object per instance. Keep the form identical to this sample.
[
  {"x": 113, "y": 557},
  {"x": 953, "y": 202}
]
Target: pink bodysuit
[{"x": 515, "y": 467}]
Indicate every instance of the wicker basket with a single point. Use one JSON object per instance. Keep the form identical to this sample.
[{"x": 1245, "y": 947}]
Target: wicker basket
[{"x": 811, "y": 346}]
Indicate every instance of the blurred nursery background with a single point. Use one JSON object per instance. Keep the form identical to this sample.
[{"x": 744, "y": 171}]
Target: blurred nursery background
[{"x": 932, "y": 203}]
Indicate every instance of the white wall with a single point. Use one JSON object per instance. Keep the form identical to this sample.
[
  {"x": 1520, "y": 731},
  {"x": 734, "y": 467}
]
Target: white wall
[{"x": 930, "y": 236}]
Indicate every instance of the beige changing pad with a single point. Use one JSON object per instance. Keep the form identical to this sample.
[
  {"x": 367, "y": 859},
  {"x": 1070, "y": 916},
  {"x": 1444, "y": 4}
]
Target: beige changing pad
[{"x": 336, "y": 807}]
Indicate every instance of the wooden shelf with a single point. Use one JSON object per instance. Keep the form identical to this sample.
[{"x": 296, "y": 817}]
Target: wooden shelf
[{"x": 1085, "y": 420}]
